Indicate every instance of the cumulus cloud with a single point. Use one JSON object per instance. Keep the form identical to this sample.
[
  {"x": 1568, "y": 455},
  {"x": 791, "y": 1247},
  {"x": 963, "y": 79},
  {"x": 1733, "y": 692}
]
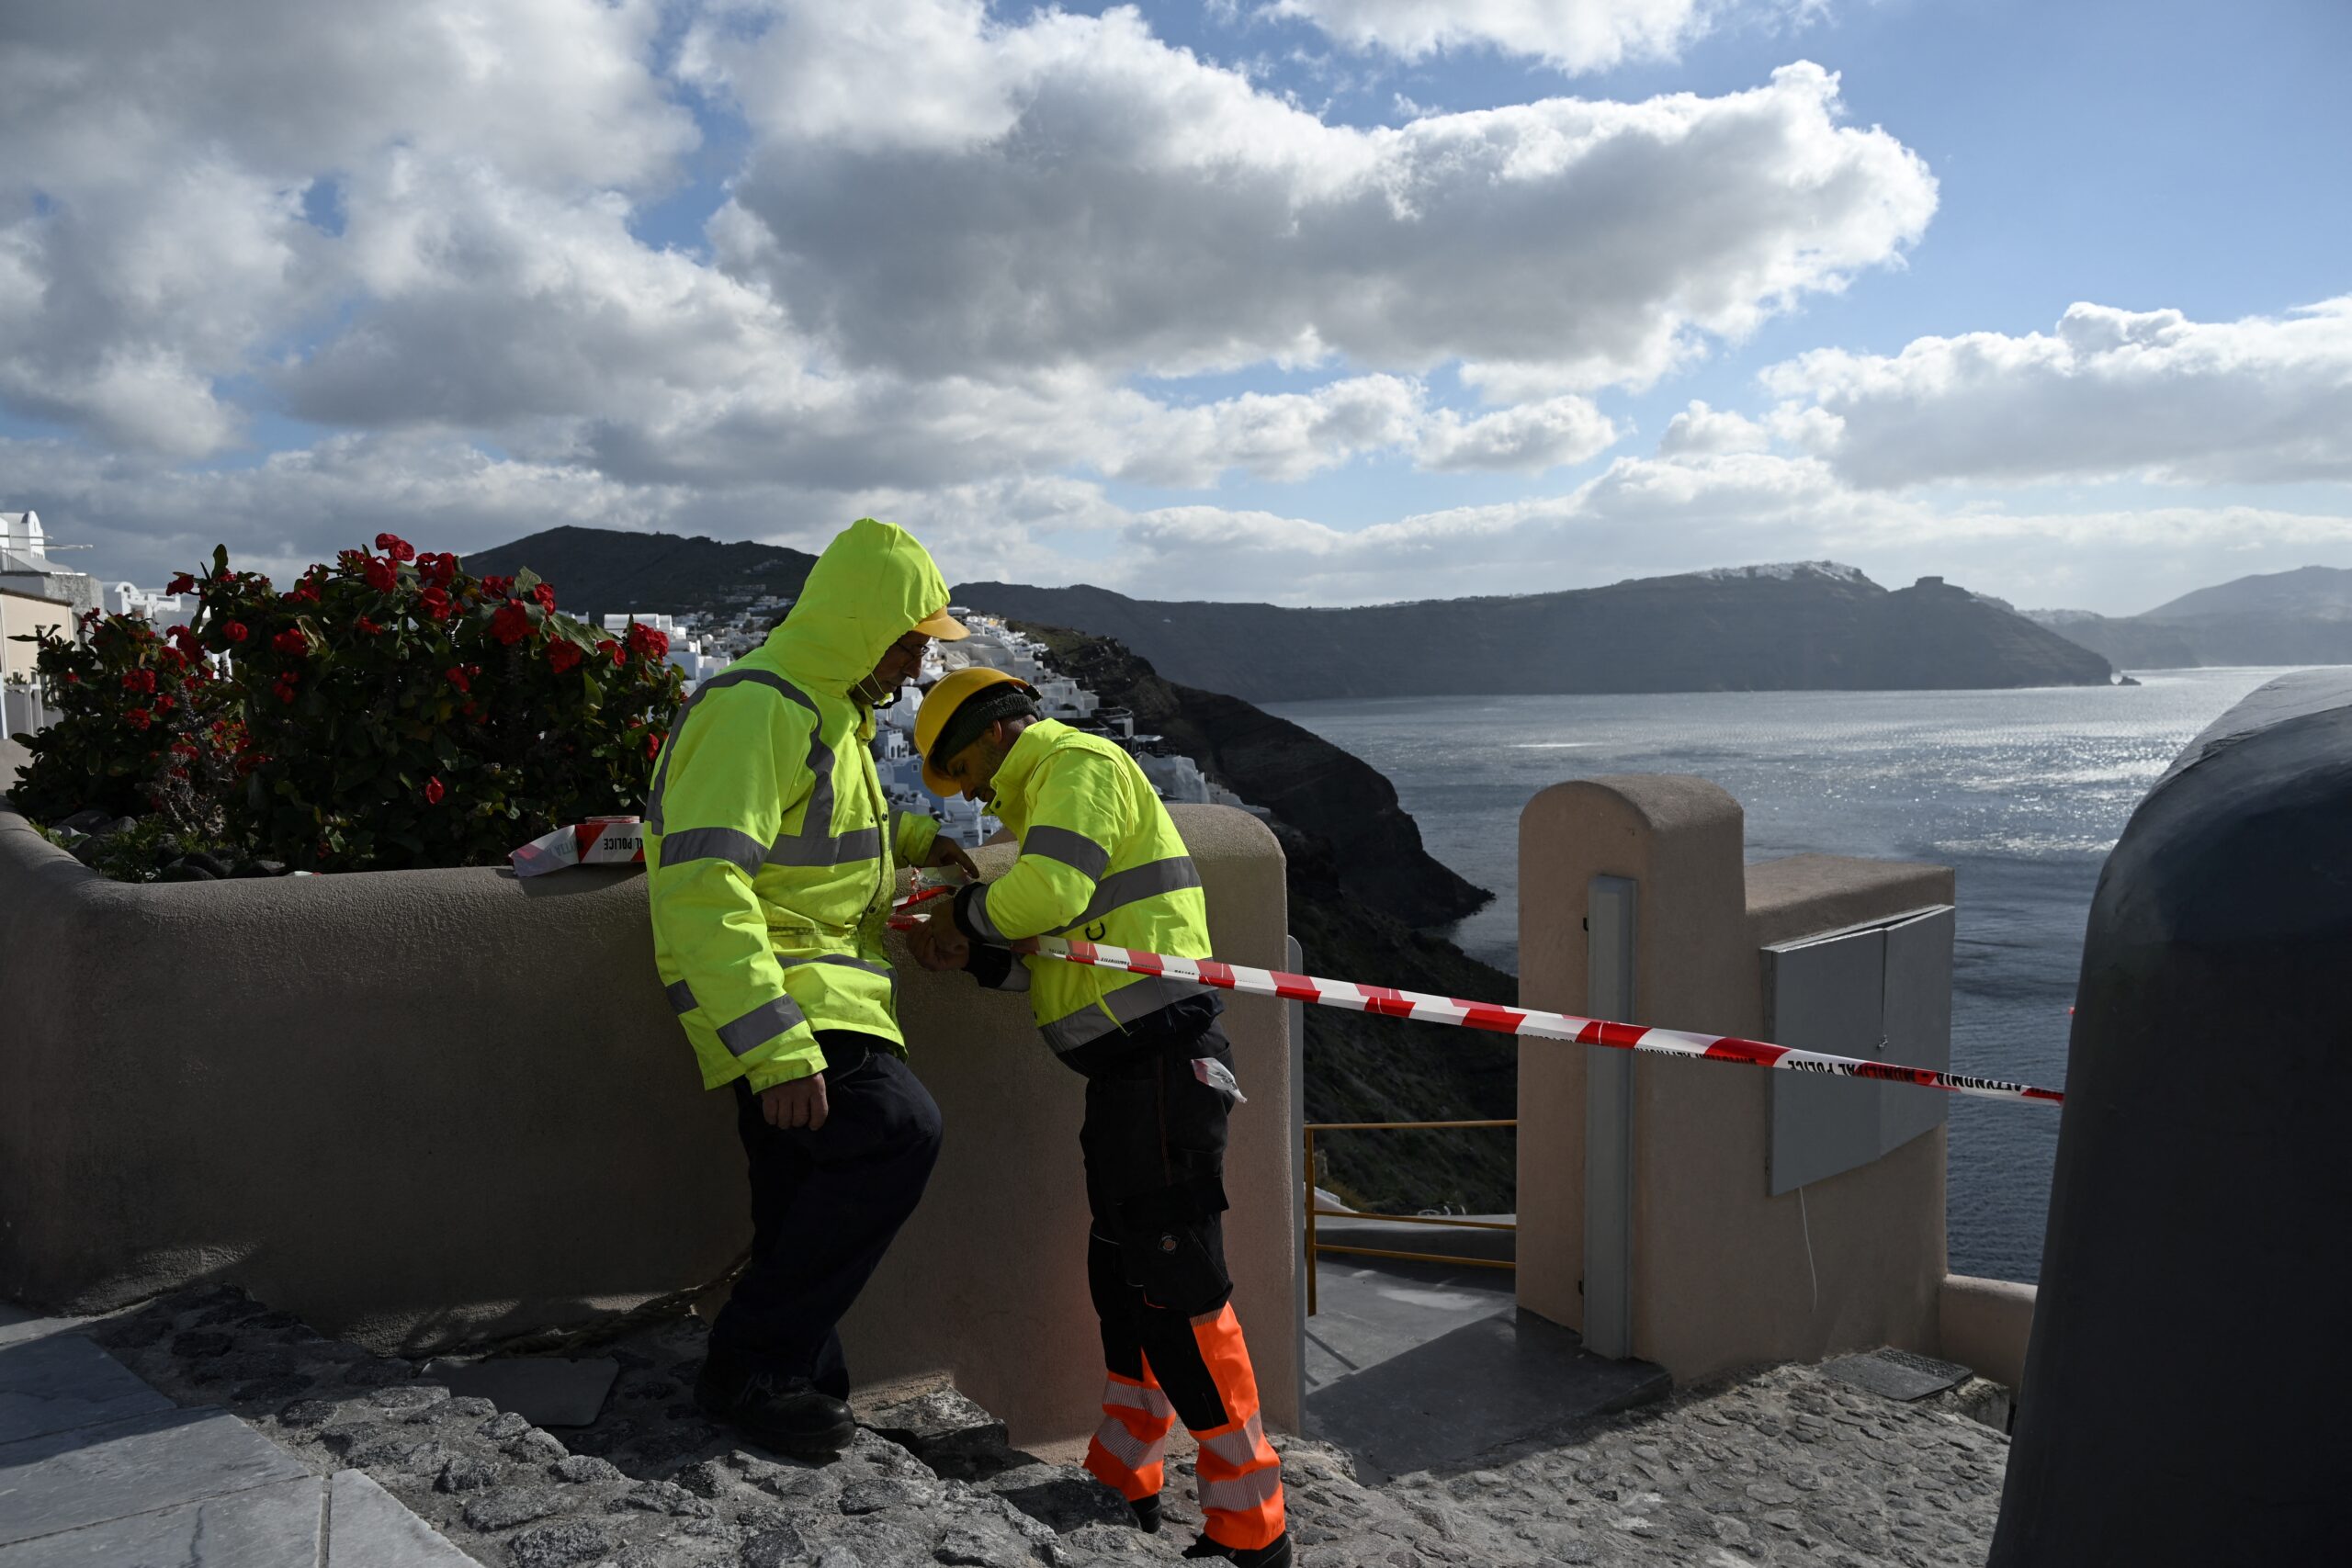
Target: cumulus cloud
[
  {"x": 1702, "y": 430},
  {"x": 1572, "y": 35},
  {"x": 2109, "y": 392},
  {"x": 1073, "y": 190},
  {"x": 1526, "y": 439}
]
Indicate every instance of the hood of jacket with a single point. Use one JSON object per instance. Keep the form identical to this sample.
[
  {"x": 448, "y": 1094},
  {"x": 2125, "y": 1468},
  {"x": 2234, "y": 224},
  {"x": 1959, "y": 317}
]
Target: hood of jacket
[{"x": 868, "y": 589}]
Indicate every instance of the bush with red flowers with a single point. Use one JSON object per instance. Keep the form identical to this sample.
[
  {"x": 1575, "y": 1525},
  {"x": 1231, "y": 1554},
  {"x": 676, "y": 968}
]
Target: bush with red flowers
[
  {"x": 145, "y": 726},
  {"x": 390, "y": 711}
]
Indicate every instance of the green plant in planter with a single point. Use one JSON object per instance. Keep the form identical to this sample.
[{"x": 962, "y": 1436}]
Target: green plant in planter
[
  {"x": 399, "y": 712},
  {"x": 146, "y": 728}
]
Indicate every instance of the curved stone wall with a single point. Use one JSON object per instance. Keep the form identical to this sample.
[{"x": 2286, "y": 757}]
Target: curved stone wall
[{"x": 419, "y": 1107}]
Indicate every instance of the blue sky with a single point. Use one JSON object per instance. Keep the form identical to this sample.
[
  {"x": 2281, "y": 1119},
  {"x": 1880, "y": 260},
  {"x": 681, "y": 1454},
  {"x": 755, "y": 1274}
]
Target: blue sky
[{"x": 1287, "y": 316}]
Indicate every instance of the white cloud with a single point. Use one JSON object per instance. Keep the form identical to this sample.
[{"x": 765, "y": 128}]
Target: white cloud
[
  {"x": 1704, "y": 431},
  {"x": 1572, "y": 35},
  {"x": 1526, "y": 439},
  {"x": 2109, "y": 392},
  {"x": 1072, "y": 190}
]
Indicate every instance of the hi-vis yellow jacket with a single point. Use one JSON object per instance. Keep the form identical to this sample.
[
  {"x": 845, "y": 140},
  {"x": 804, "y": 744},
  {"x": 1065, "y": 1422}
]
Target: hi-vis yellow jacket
[
  {"x": 1099, "y": 859},
  {"x": 768, "y": 847}
]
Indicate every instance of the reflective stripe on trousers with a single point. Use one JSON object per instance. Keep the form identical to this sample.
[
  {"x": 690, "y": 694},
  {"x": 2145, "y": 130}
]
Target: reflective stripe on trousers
[
  {"x": 1127, "y": 1450},
  {"x": 1241, "y": 1484}
]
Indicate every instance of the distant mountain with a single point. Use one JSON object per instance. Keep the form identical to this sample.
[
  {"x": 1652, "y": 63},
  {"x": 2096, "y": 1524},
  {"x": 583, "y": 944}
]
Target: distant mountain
[
  {"x": 1810, "y": 626},
  {"x": 1813, "y": 625},
  {"x": 608, "y": 570},
  {"x": 2307, "y": 594},
  {"x": 2284, "y": 617}
]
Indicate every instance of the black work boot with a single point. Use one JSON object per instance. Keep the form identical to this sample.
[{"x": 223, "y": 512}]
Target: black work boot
[
  {"x": 784, "y": 1414},
  {"x": 1146, "y": 1512},
  {"x": 1275, "y": 1553}
]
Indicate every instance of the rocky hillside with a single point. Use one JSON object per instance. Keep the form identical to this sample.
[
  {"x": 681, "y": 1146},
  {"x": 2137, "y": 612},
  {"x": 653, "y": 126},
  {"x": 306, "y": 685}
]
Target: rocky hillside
[
  {"x": 1813, "y": 626},
  {"x": 2282, "y": 617},
  {"x": 1360, "y": 886},
  {"x": 607, "y": 570}
]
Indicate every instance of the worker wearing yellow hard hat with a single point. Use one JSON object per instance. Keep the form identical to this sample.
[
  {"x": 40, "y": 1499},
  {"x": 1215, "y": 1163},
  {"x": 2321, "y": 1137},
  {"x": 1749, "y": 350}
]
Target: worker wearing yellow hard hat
[
  {"x": 770, "y": 859},
  {"x": 1100, "y": 859}
]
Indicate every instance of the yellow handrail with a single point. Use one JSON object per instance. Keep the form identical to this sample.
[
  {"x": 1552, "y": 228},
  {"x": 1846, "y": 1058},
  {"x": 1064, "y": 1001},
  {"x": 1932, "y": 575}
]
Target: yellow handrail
[{"x": 1316, "y": 1249}]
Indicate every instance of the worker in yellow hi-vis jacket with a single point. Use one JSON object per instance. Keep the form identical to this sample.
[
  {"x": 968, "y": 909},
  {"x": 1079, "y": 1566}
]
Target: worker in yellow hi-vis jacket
[
  {"x": 769, "y": 853},
  {"x": 1100, "y": 859}
]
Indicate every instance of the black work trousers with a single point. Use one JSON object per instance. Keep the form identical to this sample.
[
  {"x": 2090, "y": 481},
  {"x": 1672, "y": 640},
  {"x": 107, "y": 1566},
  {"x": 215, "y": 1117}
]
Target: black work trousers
[
  {"x": 825, "y": 1204},
  {"x": 1154, "y": 1141}
]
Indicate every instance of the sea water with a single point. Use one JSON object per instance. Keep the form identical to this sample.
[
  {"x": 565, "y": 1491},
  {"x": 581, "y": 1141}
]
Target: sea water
[{"x": 2023, "y": 793}]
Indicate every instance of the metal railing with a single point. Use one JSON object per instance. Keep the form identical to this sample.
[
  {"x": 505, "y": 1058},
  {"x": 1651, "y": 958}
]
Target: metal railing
[{"x": 1315, "y": 1248}]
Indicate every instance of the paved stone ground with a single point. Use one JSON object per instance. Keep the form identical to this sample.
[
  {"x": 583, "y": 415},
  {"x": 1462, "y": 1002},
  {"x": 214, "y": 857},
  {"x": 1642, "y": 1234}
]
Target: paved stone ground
[{"x": 1784, "y": 1467}]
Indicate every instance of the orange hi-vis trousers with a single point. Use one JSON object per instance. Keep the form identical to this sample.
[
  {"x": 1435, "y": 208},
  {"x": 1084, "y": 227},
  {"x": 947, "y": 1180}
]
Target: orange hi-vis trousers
[{"x": 1240, "y": 1475}]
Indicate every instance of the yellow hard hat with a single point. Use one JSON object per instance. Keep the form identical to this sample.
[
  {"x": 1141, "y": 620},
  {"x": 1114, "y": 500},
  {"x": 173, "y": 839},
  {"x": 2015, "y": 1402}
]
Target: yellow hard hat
[{"x": 939, "y": 706}]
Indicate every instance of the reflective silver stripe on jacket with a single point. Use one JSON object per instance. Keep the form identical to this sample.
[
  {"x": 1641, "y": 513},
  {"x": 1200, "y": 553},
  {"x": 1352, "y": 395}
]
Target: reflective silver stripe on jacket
[
  {"x": 1243, "y": 1491},
  {"x": 732, "y": 845},
  {"x": 761, "y": 1024},
  {"x": 682, "y": 996},
  {"x": 1126, "y": 1004},
  {"x": 1134, "y": 886},
  {"x": 815, "y": 844},
  {"x": 1150, "y": 1401},
  {"x": 1239, "y": 1447},
  {"x": 975, "y": 910},
  {"x": 1073, "y": 849},
  {"x": 1128, "y": 1449}
]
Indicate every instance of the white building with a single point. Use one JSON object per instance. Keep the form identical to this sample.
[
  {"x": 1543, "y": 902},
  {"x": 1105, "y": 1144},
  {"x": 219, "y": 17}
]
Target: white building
[
  {"x": 163, "y": 610},
  {"x": 25, "y": 568}
]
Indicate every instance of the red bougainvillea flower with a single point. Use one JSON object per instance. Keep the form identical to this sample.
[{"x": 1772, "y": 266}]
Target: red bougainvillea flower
[
  {"x": 433, "y": 791},
  {"x": 292, "y": 641},
  {"x": 235, "y": 631},
  {"x": 564, "y": 656},
  {"x": 139, "y": 718},
  {"x": 395, "y": 547},
  {"x": 652, "y": 743},
  {"x": 73, "y": 678},
  {"x": 498, "y": 587},
  {"x": 644, "y": 639},
  {"x": 165, "y": 704},
  {"x": 367, "y": 627},
  {"x": 612, "y": 651},
  {"x": 285, "y": 690},
  {"x": 435, "y": 602},
  {"x": 545, "y": 596},
  {"x": 304, "y": 593},
  {"x": 457, "y": 678},
  {"x": 180, "y": 584},
  {"x": 139, "y": 680},
  {"x": 380, "y": 575},
  {"x": 439, "y": 571},
  {"x": 511, "y": 624}
]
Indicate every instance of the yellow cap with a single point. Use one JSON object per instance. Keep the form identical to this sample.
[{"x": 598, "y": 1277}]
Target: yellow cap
[
  {"x": 939, "y": 706},
  {"x": 941, "y": 625}
]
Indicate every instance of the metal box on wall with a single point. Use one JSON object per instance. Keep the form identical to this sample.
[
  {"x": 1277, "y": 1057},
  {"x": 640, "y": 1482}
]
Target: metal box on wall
[{"x": 1882, "y": 991}]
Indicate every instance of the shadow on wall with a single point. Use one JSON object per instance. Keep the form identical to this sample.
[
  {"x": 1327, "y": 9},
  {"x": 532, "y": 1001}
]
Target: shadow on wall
[{"x": 428, "y": 1106}]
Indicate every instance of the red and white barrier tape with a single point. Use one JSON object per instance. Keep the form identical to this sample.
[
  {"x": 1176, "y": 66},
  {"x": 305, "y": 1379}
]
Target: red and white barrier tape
[
  {"x": 600, "y": 840},
  {"x": 1389, "y": 1002}
]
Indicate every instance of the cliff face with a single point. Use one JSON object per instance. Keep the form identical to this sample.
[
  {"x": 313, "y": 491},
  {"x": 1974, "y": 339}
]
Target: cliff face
[
  {"x": 1297, "y": 775},
  {"x": 1805, "y": 629},
  {"x": 1359, "y": 882}
]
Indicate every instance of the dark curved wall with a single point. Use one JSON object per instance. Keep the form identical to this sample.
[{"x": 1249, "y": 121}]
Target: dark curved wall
[{"x": 2184, "y": 1395}]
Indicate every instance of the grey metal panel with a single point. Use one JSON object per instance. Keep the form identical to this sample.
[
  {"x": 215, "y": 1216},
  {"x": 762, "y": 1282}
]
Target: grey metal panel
[
  {"x": 1881, "y": 991},
  {"x": 1824, "y": 996},
  {"x": 1609, "y": 1123},
  {"x": 1917, "y": 1024}
]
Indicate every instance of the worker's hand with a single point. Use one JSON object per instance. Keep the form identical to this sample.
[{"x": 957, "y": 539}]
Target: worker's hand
[
  {"x": 945, "y": 850},
  {"x": 799, "y": 1103},
  {"x": 938, "y": 944}
]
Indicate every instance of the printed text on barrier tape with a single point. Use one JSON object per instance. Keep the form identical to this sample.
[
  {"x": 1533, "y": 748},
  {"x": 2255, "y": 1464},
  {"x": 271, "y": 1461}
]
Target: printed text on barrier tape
[{"x": 1389, "y": 1002}]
